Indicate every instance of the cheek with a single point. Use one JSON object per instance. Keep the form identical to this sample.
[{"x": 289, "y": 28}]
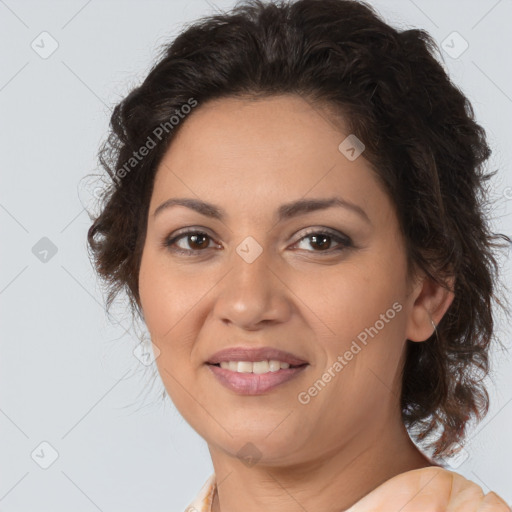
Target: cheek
[
  {"x": 356, "y": 297},
  {"x": 163, "y": 308},
  {"x": 171, "y": 303},
  {"x": 166, "y": 297},
  {"x": 364, "y": 307}
]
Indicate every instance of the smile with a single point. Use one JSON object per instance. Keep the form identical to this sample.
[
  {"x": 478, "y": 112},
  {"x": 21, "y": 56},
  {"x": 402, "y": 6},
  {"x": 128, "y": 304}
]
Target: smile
[
  {"x": 254, "y": 367},
  {"x": 254, "y": 378}
]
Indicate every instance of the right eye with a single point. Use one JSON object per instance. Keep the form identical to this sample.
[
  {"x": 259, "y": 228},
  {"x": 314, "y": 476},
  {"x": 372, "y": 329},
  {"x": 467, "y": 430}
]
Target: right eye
[{"x": 198, "y": 240}]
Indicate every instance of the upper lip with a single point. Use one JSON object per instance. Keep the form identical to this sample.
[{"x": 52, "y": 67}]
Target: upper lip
[{"x": 253, "y": 354}]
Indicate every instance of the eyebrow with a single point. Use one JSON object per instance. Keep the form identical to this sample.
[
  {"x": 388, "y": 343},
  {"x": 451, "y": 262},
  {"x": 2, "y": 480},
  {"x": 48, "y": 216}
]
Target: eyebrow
[{"x": 284, "y": 212}]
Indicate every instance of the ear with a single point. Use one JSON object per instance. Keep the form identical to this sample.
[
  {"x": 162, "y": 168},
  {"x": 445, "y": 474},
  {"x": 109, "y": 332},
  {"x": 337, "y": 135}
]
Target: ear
[{"x": 430, "y": 301}]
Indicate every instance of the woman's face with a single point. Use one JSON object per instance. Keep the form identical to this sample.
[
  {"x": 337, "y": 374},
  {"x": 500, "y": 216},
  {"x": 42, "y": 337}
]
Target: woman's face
[{"x": 327, "y": 285}]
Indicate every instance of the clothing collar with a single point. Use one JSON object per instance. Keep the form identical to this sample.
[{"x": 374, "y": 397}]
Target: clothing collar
[{"x": 204, "y": 499}]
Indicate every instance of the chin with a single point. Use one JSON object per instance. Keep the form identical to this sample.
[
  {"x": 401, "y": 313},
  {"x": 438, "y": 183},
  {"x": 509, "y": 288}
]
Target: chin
[{"x": 259, "y": 446}]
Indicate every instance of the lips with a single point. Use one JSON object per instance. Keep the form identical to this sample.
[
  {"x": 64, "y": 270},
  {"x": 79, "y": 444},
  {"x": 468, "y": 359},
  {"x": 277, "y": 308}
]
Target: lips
[
  {"x": 253, "y": 354},
  {"x": 254, "y": 384}
]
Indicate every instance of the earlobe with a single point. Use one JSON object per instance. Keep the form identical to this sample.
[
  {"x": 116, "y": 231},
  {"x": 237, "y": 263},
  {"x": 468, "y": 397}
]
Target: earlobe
[{"x": 431, "y": 303}]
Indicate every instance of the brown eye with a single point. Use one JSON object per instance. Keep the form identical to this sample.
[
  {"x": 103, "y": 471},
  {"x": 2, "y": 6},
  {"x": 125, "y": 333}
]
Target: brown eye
[
  {"x": 195, "y": 240},
  {"x": 322, "y": 240},
  {"x": 199, "y": 240}
]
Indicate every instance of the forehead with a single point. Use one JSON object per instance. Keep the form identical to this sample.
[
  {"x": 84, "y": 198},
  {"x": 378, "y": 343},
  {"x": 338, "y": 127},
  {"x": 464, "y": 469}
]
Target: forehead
[{"x": 262, "y": 151}]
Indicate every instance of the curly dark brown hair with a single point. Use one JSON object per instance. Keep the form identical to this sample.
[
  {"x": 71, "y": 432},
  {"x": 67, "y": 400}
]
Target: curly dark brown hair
[{"x": 421, "y": 138}]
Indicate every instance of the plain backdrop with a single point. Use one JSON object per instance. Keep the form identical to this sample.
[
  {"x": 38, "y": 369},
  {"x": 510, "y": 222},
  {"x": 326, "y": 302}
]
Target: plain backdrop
[{"x": 68, "y": 376}]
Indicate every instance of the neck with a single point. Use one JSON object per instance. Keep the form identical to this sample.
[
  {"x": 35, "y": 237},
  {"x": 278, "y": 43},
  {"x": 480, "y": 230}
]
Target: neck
[{"x": 330, "y": 483}]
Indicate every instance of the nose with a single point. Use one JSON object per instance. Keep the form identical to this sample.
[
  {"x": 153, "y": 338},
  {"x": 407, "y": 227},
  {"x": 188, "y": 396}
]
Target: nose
[{"x": 253, "y": 294}]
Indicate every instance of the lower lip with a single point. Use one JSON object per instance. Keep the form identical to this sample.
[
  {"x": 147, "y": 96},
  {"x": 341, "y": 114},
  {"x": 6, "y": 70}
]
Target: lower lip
[{"x": 254, "y": 383}]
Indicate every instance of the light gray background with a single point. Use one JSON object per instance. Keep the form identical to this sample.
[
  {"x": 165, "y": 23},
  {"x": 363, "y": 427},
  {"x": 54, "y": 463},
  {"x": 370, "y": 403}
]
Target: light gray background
[{"x": 67, "y": 373}]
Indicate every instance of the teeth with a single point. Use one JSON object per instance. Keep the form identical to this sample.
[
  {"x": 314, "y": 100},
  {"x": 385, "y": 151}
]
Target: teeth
[
  {"x": 244, "y": 367},
  {"x": 260, "y": 367},
  {"x": 274, "y": 365},
  {"x": 257, "y": 367}
]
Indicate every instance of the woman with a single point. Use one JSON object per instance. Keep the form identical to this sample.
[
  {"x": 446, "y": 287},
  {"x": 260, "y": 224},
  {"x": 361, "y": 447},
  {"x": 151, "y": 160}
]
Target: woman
[{"x": 296, "y": 214}]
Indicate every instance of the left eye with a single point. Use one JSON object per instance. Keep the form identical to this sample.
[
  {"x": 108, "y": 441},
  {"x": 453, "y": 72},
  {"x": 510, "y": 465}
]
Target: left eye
[{"x": 322, "y": 239}]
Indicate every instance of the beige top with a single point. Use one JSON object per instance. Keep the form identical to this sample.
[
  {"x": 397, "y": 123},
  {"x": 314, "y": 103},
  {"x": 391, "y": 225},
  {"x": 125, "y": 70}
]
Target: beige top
[{"x": 203, "y": 501}]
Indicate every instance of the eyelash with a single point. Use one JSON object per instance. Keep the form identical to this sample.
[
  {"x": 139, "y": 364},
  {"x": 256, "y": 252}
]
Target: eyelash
[{"x": 345, "y": 241}]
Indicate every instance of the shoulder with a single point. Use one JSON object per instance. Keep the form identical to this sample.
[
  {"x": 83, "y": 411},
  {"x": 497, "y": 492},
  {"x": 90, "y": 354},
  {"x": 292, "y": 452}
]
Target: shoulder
[{"x": 434, "y": 486}]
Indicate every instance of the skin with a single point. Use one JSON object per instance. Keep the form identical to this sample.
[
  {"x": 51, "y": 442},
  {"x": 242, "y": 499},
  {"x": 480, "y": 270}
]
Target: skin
[{"x": 249, "y": 157}]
